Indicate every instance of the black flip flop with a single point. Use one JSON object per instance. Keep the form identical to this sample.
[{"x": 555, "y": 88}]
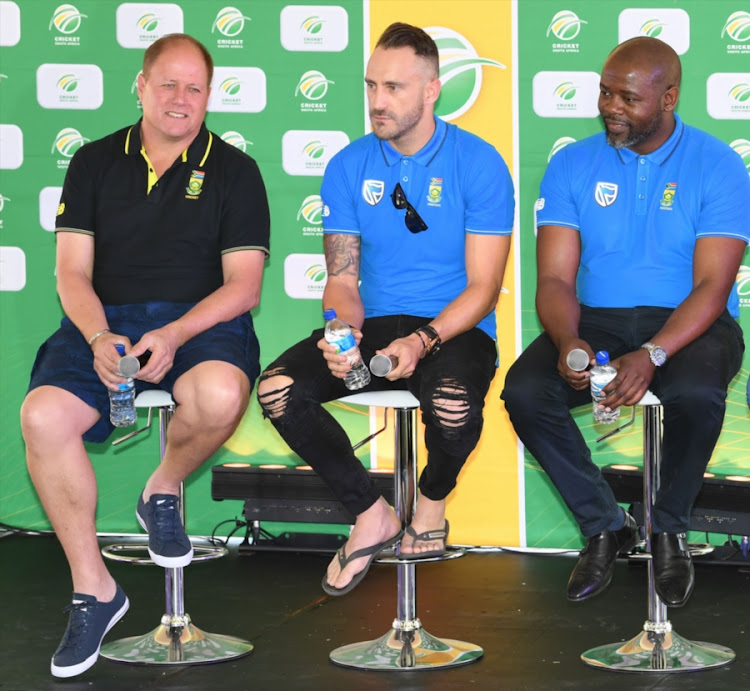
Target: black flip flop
[
  {"x": 372, "y": 551},
  {"x": 427, "y": 536}
]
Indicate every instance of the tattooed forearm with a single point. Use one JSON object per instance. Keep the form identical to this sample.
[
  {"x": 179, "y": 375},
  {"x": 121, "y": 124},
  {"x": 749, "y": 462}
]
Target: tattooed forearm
[{"x": 342, "y": 254}]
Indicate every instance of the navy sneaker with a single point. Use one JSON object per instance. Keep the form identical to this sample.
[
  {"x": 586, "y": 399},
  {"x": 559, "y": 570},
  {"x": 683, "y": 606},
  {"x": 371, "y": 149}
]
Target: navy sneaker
[
  {"x": 88, "y": 624},
  {"x": 168, "y": 544}
]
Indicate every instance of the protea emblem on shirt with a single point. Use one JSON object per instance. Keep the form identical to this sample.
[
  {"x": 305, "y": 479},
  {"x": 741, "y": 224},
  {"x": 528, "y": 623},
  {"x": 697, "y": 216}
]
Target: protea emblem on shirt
[
  {"x": 605, "y": 193},
  {"x": 195, "y": 184},
  {"x": 372, "y": 191}
]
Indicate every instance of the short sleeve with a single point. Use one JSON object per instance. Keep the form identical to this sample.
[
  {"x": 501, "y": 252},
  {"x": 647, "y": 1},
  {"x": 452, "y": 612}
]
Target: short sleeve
[
  {"x": 488, "y": 194},
  {"x": 245, "y": 220},
  {"x": 339, "y": 210},
  {"x": 556, "y": 205},
  {"x": 77, "y": 208}
]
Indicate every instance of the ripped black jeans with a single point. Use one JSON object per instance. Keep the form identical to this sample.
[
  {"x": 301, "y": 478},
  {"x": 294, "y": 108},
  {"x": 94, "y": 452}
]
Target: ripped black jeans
[{"x": 459, "y": 375}]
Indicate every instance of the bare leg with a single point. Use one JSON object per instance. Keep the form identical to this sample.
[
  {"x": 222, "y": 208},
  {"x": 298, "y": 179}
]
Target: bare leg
[
  {"x": 53, "y": 422},
  {"x": 430, "y": 515},
  {"x": 212, "y": 398},
  {"x": 377, "y": 524}
]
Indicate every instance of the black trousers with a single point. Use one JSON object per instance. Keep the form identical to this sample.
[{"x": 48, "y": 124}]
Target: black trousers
[
  {"x": 461, "y": 372},
  {"x": 692, "y": 387}
]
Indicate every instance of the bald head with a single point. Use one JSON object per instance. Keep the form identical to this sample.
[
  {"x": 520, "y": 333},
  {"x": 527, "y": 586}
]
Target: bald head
[{"x": 650, "y": 56}]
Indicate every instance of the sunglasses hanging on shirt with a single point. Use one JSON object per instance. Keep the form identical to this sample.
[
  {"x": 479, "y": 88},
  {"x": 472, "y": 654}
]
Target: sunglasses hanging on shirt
[{"x": 413, "y": 220}]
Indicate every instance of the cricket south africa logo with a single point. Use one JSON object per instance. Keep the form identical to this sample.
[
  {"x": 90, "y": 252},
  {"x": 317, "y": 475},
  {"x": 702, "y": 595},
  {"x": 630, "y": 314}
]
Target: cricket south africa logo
[
  {"x": 652, "y": 27},
  {"x": 67, "y": 142},
  {"x": 565, "y": 26},
  {"x": 742, "y": 147},
  {"x": 229, "y": 22},
  {"x": 605, "y": 193},
  {"x": 311, "y": 212},
  {"x": 743, "y": 285},
  {"x": 372, "y": 191},
  {"x": 313, "y": 86},
  {"x": 148, "y": 22},
  {"x": 460, "y": 72},
  {"x": 66, "y": 19},
  {"x": 236, "y": 140},
  {"x": 737, "y": 28},
  {"x": 559, "y": 144}
]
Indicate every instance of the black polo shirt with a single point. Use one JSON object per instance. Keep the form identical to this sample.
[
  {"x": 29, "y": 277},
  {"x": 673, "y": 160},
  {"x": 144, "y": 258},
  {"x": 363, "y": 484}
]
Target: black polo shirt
[{"x": 163, "y": 239}]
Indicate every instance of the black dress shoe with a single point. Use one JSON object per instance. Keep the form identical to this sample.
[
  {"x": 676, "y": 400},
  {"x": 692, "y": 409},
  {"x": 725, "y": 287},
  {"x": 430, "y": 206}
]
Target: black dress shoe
[
  {"x": 593, "y": 572},
  {"x": 673, "y": 568}
]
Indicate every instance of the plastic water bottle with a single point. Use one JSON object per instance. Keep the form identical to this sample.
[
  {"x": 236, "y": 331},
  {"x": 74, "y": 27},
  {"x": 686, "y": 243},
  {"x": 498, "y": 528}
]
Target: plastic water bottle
[
  {"x": 600, "y": 375},
  {"x": 122, "y": 403},
  {"x": 339, "y": 334}
]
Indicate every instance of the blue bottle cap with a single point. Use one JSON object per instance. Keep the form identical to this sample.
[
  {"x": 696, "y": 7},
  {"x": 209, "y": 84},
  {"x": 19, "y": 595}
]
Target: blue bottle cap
[
  {"x": 329, "y": 314},
  {"x": 602, "y": 357},
  {"x": 120, "y": 348}
]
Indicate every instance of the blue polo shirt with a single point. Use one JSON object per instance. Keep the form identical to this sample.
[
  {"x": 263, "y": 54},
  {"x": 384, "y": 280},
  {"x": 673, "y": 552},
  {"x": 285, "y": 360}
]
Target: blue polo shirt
[
  {"x": 457, "y": 182},
  {"x": 639, "y": 216}
]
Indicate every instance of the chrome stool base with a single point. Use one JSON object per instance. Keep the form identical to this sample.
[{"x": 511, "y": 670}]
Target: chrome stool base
[
  {"x": 181, "y": 644},
  {"x": 138, "y": 553},
  {"x": 400, "y": 650},
  {"x": 658, "y": 652}
]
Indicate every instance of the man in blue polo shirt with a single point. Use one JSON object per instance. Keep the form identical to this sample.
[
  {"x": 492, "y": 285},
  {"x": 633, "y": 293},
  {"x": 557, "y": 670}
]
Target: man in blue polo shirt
[
  {"x": 418, "y": 216},
  {"x": 641, "y": 231},
  {"x": 162, "y": 233}
]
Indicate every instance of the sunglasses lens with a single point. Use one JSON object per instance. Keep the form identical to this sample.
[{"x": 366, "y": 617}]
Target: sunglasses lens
[{"x": 413, "y": 221}]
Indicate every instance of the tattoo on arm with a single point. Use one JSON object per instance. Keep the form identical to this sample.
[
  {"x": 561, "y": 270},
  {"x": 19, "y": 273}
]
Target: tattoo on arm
[{"x": 342, "y": 254}]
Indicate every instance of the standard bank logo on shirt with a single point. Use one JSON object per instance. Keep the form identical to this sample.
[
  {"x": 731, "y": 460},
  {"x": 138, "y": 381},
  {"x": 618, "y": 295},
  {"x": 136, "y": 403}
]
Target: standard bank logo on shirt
[
  {"x": 372, "y": 191},
  {"x": 605, "y": 193}
]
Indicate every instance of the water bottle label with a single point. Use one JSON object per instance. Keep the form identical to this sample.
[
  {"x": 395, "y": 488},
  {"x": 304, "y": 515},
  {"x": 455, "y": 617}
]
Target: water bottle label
[
  {"x": 596, "y": 388},
  {"x": 344, "y": 344}
]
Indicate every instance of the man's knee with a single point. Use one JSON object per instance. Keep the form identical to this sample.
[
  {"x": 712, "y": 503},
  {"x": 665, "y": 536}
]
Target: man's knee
[
  {"x": 452, "y": 411},
  {"x": 217, "y": 395},
  {"x": 274, "y": 392},
  {"x": 50, "y": 411}
]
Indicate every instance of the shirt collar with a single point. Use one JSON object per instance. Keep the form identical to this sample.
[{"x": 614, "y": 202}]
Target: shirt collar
[
  {"x": 663, "y": 152},
  {"x": 426, "y": 154},
  {"x": 196, "y": 153}
]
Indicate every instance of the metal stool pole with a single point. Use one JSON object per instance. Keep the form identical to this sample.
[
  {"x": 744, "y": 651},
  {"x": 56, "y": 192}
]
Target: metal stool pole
[
  {"x": 176, "y": 641},
  {"x": 657, "y": 648},
  {"x": 407, "y": 646}
]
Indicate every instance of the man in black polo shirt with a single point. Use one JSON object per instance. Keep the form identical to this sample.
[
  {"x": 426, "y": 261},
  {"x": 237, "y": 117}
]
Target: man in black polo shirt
[{"x": 162, "y": 234}]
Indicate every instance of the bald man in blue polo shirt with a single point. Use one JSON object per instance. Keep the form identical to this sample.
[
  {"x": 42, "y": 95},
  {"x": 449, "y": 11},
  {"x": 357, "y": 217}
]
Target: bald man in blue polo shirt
[
  {"x": 641, "y": 231},
  {"x": 418, "y": 217}
]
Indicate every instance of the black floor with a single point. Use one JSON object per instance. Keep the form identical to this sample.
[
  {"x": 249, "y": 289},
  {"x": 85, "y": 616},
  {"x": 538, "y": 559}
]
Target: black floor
[{"x": 511, "y": 604}]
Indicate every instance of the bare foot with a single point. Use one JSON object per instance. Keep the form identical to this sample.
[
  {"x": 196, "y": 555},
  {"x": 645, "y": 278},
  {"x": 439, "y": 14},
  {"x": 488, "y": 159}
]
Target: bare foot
[
  {"x": 378, "y": 524},
  {"x": 430, "y": 515}
]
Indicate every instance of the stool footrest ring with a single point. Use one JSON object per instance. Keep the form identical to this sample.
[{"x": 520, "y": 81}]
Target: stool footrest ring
[{"x": 137, "y": 553}]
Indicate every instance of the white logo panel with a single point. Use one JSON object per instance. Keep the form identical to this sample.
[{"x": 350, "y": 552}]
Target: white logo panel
[
  {"x": 305, "y": 276},
  {"x": 670, "y": 26},
  {"x": 11, "y": 147},
  {"x": 49, "y": 200},
  {"x": 314, "y": 28},
  {"x": 69, "y": 86},
  {"x": 10, "y": 26},
  {"x": 728, "y": 95},
  {"x": 566, "y": 94},
  {"x": 12, "y": 268},
  {"x": 238, "y": 90},
  {"x": 307, "y": 152},
  {"x": 605, "y": 193},
  {"x": 139, "y": 24}
]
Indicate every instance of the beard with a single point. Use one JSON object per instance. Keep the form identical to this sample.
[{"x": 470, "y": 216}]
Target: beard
[
  {"x": 635, "y": 134},
  {"x": 398, "y": 126}
]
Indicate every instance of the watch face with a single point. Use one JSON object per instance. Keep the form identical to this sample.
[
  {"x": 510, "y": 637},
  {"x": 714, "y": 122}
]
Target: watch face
[{"x": 658, "y": 356}]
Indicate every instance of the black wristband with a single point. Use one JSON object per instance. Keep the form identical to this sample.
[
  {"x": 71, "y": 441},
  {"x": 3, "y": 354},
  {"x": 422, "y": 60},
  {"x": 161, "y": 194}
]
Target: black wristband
[{"x": 433, "y": 338}]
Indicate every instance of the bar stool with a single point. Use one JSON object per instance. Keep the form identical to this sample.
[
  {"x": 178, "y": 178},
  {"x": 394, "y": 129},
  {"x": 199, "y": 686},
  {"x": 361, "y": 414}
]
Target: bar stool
[
  {"x": 407, "y": 646},
  {"x": 176, "y": 641},
  {"x": 657, "y": 648}
]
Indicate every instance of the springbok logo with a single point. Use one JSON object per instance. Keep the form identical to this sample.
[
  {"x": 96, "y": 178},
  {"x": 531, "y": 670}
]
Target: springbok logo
[
  {"x": 312, "y": 25},
  {"x": 229, "y": 21},
  {"x": 148, "y": 22},
  {"x": 312, "y": 210},
  {"x": 605, "y": 193},
  {"x": 68, "y": 141},
  {"x": 737, "y": 27},
  {"x": 230, "y": 86},
  {"x": 742, "y": 147},
  {"x": 66, "y": 19},
  {"x": 561, "y": 143},
  {"x": 565, "y": 25},
  {"x": 67, "y": 82},
  {"x": 740, "y": 92},
  {"x": 236, "y": 140},
  {"x": 652, "y": 27},
  {"x": 372, "y": 191},
  {"x": 460, "y": 72},
  {"x": 313, "y": 85}
]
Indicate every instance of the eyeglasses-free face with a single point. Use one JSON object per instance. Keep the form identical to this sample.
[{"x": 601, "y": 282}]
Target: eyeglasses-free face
[{"x": 413, "y": 220}]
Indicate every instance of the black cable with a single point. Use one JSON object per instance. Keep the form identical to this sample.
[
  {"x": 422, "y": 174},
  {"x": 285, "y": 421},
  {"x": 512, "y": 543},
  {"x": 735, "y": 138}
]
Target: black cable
[{"x": 237, "y": 525}]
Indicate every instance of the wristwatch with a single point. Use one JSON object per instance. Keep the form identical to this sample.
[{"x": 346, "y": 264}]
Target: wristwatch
[{"x": 657, "y": 354}]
